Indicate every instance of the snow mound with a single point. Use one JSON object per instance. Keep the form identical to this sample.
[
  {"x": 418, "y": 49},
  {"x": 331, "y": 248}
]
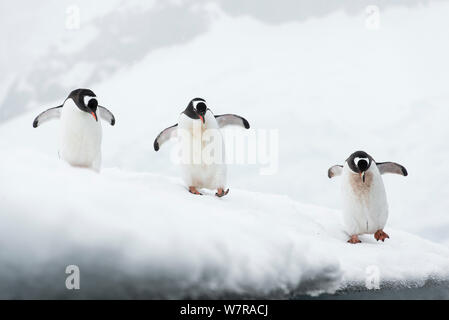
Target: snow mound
[{"x": 137, "y": 235}]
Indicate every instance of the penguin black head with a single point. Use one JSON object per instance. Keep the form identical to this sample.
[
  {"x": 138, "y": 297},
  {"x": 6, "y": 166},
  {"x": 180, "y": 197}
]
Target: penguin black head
[
  {"x": 85, "y": 100},
  {"x": 196, "y": 109},
  {"x": 360, "y": 162}
]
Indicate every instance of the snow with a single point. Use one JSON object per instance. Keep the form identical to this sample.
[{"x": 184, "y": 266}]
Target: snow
[
  {"x": 246, "y": 244},
  {"x": 147, "y": 231},
  {"x": 329, "y": 86},
  {"x": 326, "y": 83}
]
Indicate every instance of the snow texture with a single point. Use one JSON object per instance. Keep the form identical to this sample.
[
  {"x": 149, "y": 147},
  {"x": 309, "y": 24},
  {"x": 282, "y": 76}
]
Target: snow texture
[
  {"x": 330, "y": 86},
  {"x": 143, "y": 235}
]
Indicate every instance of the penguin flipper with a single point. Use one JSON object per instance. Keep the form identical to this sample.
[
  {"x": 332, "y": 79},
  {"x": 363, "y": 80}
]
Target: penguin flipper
[
  {"x": 392, "y": 167},
  {"x": 106, "y": 115},
  {"x": 47, "y": 115},
  {"x": 164, "y": 136},
  {"x": 334, "y": 171},
  {"x": 224, "y": 120}
]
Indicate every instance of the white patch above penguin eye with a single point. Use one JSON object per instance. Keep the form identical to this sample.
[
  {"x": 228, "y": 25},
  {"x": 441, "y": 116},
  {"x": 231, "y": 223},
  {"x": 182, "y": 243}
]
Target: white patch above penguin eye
[
  {"x": 87, "y": 99},
  {"x": 357, "y": 159},
  {"x": 195, "y": 103}
]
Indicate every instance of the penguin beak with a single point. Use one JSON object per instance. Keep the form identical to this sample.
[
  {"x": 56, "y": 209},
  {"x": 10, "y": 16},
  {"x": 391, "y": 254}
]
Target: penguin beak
[
  {"x": 201, "y": 115},
  {"x": 92, "y": 108},
  {"x": 93, "y": 113},
  {"x": 362, "y": 176},
  {"x": 201, "y": 110}
]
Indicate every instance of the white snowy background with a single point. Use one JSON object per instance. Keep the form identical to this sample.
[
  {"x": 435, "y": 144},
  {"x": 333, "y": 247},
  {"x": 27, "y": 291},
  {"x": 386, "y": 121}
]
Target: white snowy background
[{"x": 319, "y": 73}]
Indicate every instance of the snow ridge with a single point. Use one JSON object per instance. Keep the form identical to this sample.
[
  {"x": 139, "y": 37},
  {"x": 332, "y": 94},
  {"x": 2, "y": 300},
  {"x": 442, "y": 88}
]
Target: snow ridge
[{"x": 143, "y": 235}]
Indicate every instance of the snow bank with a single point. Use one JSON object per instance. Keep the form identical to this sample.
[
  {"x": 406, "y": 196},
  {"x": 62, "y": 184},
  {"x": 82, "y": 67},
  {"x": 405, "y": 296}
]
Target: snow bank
[
  {"x": 137, "y": 235},
  {"x": 330, "y": 86},
  {"x": 326, "y": 82}
]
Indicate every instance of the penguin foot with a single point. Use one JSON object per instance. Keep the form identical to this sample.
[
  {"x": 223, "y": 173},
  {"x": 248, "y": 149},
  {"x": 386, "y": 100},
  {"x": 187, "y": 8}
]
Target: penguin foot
[
  {"x": 221, "y": 193},
  {"x": 354, "y": 239},
  {"x": 194, "y": 191},
  {"x": 381, "y": 235}
]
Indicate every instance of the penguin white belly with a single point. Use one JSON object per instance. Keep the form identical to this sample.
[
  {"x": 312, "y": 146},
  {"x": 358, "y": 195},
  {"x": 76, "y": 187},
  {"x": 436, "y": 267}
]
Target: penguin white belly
[
  {"x": 365, "y": 208},
  {"x": 80, "y": 140},
  {"x": 202, "y": 163}
]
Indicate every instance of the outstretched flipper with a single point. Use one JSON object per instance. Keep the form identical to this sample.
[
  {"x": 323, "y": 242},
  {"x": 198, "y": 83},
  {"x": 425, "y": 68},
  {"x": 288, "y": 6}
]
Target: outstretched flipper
[
  {"x": 47, "y": 115},
  {"x": 231, "y": 120},
  {"x": 106, "y": 115},
  {"x": 164, "y": 136},
  {"x": 391, "y": 167},
  {"x": 334, "y": 171}
]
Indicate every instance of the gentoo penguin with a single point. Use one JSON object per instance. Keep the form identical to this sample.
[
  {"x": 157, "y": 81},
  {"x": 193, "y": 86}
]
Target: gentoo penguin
[
  {"x": 80, "y": 131},
  {"x": 365, "y": 207},
  {"x": 196, "y": 125}
]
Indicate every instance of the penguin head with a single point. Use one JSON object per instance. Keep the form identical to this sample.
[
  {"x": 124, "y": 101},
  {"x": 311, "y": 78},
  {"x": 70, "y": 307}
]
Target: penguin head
[
  {"x": 197, "y": 109},
  {"x": 85, "y": 100},
  {"x": 360, "y": 162}
]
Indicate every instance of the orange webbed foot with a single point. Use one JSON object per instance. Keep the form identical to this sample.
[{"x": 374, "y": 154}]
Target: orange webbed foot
[
  {"x": 193, "y": 190},
  {"x": 354, "y": 239},
  {"x": 221, "y": 193},
  {"x": 381, "y": 235}
]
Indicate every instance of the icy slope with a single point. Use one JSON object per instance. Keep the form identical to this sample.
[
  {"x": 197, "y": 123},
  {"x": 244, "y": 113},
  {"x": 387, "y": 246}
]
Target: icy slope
[
  {"x": 329, "y": 86},
  {"x": 327, "y": 83},
  {"x": 144, "y": 235}
]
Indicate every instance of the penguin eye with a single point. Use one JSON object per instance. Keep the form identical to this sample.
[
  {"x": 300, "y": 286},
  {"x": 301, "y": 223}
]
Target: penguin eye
[
  {"x": 201, "y": 107},
  {"x": 363, "y": 162},
  {"x": 91, "y": 100},
  {"x": 199, "y": 104},
  {"x": 93, "y": 104}
]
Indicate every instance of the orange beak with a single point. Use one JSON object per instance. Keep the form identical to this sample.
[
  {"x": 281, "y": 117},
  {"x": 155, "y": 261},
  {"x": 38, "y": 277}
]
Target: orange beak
[
  {"x": 362, "y": 176},
  {"x": 94, "y": 115},
  {"x": 202, "y": 118}
]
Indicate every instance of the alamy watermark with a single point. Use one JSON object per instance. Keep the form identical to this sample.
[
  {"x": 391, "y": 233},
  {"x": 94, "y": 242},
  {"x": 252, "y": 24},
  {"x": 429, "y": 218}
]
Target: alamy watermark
[
  {"x": 372, "y": 280},
  {"x": 72, "y": 282},
  {"x": 372, "y": 17},
  {"x": 73, "y": 18},
  {"x": 200, "y": 146}
]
